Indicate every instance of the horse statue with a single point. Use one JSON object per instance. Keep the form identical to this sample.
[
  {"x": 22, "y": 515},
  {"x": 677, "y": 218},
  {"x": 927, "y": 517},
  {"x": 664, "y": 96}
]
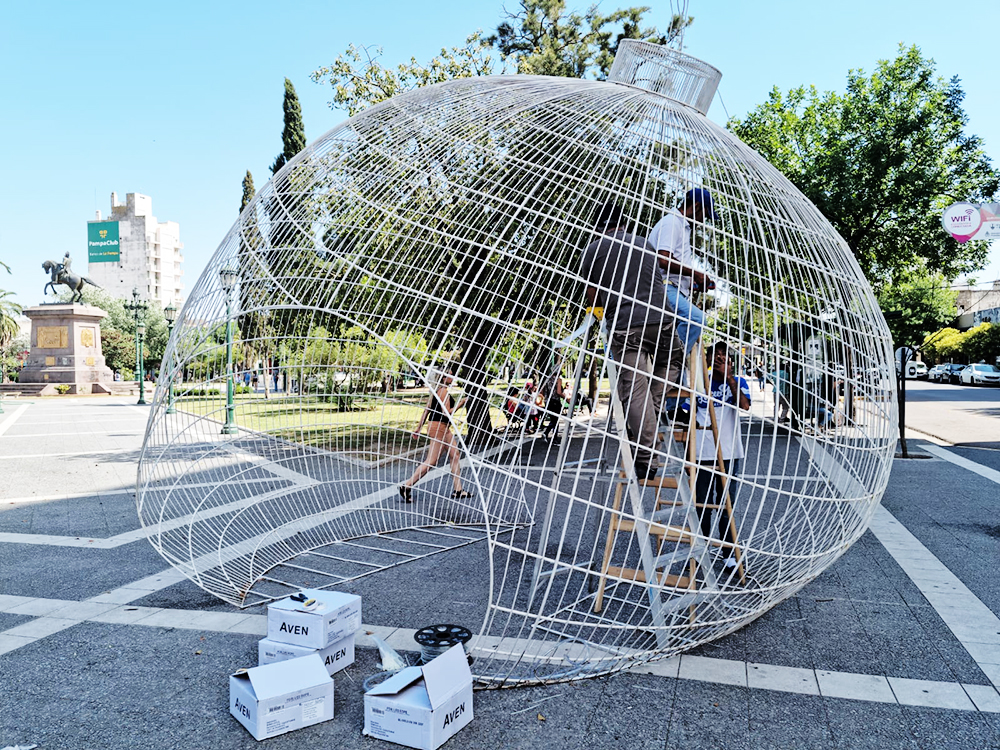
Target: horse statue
[{"x": 62, "y": 274}]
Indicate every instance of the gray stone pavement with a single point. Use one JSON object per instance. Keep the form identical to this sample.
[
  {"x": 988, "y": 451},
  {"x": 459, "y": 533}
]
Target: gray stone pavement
[{"x": 102, "y": 645}]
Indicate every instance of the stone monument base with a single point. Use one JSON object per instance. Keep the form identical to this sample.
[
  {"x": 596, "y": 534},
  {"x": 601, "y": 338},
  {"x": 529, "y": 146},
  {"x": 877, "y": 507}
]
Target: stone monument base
[{"x": 66, "y": 350}]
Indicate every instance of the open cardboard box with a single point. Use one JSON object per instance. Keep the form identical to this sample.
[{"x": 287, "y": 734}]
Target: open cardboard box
[
  {"x": 278, "y": 698},
  {"x": 422, "y": 707}
]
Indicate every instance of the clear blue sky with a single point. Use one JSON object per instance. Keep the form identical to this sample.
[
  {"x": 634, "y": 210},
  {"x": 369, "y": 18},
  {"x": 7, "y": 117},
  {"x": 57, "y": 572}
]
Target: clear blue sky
[{"x": 178, "y": 100}]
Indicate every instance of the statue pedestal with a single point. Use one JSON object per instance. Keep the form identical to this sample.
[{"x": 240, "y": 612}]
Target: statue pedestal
[{"x": 66, "y": 349}]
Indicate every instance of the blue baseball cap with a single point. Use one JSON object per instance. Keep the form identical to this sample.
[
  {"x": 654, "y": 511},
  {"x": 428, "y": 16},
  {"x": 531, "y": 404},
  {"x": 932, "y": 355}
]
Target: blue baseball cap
[{"x": 702, "y": 196}]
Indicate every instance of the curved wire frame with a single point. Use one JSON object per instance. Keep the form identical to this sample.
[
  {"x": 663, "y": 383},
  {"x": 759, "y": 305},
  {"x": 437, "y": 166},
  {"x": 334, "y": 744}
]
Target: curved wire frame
[{"x": 444, "y": 229}]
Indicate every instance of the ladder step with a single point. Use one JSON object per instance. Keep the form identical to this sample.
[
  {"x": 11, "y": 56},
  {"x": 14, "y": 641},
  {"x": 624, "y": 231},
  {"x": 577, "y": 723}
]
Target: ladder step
[
  {"x": 672, "y": 558},
  {"x": 681, "y": 391},
  {"x": 661, "y": 482},
  {"x": 631, "y": 574},
  {"x": 687, "y": 600},
  {"x": 655, "y": 529}
]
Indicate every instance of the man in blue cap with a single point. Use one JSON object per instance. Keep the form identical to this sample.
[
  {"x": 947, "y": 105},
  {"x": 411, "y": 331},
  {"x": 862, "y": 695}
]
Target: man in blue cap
[{"x": 672, "y": 239}]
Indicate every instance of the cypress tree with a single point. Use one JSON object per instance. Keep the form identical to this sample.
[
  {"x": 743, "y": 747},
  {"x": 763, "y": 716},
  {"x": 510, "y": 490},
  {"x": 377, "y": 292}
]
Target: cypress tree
[
  {"x": 248, "y": 191},
  {"x": 293, "y": 137}
]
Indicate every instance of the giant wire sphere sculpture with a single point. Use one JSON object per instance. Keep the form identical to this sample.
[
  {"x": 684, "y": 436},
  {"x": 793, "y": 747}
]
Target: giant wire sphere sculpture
[{"x": 443, "y": 230}]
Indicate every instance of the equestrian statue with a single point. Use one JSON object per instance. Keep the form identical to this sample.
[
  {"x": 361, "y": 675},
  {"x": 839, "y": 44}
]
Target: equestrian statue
[{"x": 63, "y": 274}]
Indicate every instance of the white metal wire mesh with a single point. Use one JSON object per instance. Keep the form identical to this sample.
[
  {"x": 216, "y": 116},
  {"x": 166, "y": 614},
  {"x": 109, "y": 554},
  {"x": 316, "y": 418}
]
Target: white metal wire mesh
[{"x": 447, "y": 225}]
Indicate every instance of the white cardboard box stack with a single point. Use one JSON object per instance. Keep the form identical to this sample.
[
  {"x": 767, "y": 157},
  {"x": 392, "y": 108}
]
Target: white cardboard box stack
[
  {"x": 286, "y": 691},
  {"x": 326, "y": 629},
  {"x": 422, "y": 707},
  {"x": 419, "y": 707}
]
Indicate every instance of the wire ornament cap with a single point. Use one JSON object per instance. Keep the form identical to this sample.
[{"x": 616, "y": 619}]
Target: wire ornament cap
[{"x": 666, "y": 71}]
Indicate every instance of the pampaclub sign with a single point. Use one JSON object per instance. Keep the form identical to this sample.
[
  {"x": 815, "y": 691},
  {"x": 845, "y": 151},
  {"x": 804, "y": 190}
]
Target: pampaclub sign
[
  {"x": 972, "y": 221},
  {"x": 103, "y": 244}
]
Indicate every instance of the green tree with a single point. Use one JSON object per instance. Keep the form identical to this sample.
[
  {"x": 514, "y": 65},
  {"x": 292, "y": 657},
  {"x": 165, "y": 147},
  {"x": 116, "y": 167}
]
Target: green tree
[
  {"x": 541, "y": 38},
  {"x": 248, "y": 191},
  {"x": 9, "y": 328},
  {"x": 916, "y": 306},
  {"x": 118, "y": 349},
  {"x": 544, "y": 38},
  {"x": 12, "y": 355},
  {"x": 982, "y": 343},
  {"x": 881, "y": 161},
  {"x": 293, "y": 136}
]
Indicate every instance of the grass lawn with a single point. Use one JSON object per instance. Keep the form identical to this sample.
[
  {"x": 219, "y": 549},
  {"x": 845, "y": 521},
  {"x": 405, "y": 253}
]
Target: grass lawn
[{"x": 369, "y": 428}]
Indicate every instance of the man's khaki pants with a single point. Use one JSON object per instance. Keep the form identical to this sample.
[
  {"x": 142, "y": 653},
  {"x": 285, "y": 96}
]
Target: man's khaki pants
[{"x": 640, "y": 391}]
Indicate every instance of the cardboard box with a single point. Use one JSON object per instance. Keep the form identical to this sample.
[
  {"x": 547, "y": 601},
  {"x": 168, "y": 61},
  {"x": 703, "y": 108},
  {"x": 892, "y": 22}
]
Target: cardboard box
[
  {"x": 422, "y": 707},
  {"x": 335, "y": 616},
  {"x": 278, "y": 698},
  {"x": 335, "y": 657}
]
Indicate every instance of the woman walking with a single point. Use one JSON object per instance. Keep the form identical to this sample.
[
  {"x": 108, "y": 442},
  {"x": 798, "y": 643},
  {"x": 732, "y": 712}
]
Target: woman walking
[{"x": 440, "y": 406}]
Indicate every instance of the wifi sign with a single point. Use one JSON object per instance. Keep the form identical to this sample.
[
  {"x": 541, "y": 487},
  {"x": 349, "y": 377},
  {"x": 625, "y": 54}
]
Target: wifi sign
[{"x": 962, "y": 221}]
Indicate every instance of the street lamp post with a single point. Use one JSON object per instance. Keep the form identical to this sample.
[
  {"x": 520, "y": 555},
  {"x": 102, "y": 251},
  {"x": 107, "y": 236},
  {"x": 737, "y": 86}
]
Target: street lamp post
[
  {"x": 227, "y": 278},
  {"x": 170, "y": 313},
  {"x": 137, "y": 307},
  {"x": 140, "y": 331}
]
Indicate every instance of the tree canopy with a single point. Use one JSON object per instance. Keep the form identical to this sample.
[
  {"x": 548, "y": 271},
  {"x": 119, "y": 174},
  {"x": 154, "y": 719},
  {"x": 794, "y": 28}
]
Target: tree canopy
[
  {"x": 881, "y": 161},
  {"x": 981, "y": 343},
  {"x": 916, "y": 306},
  {"x": 542, "y": 37}
]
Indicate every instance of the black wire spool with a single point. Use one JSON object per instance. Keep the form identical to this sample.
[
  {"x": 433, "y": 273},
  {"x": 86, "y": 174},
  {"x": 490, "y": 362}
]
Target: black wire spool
[{"x": 434, "y": 640}]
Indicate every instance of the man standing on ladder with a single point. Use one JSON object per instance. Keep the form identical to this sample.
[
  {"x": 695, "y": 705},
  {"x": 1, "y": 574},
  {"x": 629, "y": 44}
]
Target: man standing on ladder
[
  {"x": 623, "y": 275},
  {"x": 672, "y": 239}
]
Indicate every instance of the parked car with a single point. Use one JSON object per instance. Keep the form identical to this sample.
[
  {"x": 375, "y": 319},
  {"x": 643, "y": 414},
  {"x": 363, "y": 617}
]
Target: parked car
[
  {"x": 916, "y": 371},
  {"x": 946, "y": 372},
  {"x": 981, "y": 375},
  {"x": 953, "y": 374}
]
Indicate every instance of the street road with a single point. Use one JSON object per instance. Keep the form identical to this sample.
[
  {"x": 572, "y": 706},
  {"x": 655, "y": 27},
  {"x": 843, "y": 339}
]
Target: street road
[{"x": 959, "y": 414}]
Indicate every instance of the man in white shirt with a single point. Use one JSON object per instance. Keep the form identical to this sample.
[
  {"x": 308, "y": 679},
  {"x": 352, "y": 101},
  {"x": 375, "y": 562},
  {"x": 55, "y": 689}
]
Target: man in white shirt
[{"x": 671, "y": 237}]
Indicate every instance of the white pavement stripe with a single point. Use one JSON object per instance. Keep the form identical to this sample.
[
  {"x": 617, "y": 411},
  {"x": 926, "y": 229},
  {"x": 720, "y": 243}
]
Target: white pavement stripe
[
  {"x": 128, "y": 537},
  {"x": 984, "y": 471},
  {"x": 62, "y": 614},
  {"x": 128, "y": 491},
  {"x": 83, "y": 433},
  {"x": 12, "y": 417},
  {"x": 80, "y": 453},
  {"x": 970, "y": 621}
]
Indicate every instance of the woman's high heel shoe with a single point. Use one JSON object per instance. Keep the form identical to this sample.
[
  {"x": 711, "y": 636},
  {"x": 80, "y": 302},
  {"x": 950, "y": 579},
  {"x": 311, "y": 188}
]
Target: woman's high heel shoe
[{"x": 406, "y": 493}]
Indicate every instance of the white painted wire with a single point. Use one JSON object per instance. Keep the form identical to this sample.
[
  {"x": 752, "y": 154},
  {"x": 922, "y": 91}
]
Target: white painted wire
[{"x": 446, "y": 225}]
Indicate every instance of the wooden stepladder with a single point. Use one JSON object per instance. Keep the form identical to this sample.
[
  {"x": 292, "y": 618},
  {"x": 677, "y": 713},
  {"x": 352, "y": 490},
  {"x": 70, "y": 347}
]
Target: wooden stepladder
[{"x": 673, "y": 519}]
